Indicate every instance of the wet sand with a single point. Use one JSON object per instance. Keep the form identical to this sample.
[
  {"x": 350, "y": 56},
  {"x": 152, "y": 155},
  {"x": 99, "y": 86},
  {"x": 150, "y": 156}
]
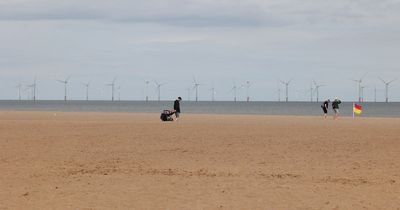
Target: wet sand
[{"x": 133, "y": 161}]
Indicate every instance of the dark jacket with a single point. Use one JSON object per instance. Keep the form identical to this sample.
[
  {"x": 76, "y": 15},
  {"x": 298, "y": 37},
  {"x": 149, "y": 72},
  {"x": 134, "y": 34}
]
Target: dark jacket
[
  {"x": 325, "y": 105},
  {"x": 177, "y": 106},
  {"x": 335, "y": 104}
]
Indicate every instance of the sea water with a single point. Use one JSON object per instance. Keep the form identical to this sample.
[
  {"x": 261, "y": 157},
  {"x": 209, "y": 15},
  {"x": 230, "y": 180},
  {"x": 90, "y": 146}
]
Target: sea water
[{"x": 370, "y": 109}]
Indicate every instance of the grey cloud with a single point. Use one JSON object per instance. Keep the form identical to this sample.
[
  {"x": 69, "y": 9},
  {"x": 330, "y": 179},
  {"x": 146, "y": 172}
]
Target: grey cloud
[{"x": 250, "y": 13}]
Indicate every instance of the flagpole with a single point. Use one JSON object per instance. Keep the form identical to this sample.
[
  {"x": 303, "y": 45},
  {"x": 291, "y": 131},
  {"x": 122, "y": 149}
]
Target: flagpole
[{"x": 353, "y": 109}]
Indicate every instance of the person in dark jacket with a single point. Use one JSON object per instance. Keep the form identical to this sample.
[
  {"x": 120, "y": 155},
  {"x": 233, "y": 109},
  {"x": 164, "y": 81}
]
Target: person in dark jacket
[
  {"x": 177, "y": 107},
  {"x": 325, "y": 107},
  {"x": 335, "y": 107}
]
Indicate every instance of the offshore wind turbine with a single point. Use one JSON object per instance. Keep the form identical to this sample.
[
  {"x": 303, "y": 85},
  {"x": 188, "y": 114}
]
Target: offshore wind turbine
[
  {"x": 196, "y": 87},
  {"x": 19, "y": 86},
  {"x": 317, "y": 86},
  {"x": 147, "y": 89},
  {"x": 234, "y": 90},
  {"x": 311, "y": 90},
  {"x": 158, "y": 86},
  {"x": 387, "y": 88},
  {"x": 359, "y": 82},
  {"x": 279, "y": 90},
  {"x": 112, "y": 85},
  {"x": 213, "y": 92},
  {"x": 33, "y": 89},
  {"x": 87, "y": 85},
  {"x": 65, "y": 82},
  {"x": 248, "y": 85},
  {"x": 119, "y": 93},
  {"x": 279, "y": 94},
  {"x": 29, "y": 92},
  {"x": 287, "y": 88},
  {"x": 362, "y": 92}
]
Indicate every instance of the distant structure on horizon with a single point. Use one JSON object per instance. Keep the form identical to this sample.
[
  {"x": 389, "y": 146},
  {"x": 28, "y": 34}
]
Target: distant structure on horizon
[
  {"x": 359, "y": 82},
  {"x": 317, "y": 86},
  {"x": 248, "y": 85},
  {"x": 65, "y": 82},
  {"x": 87, "y": 90},
  {"x": 287, "y": 88},
  {"x": 234, "y": 90},
  {"x": 196, "y": 87},
  {"x": 112, "y": 85},
  {"x": 387, "y": 88},
  {"x": 158, "y": 89},
  {"x": 372, "y": 93},
  {"x": 147, "y": 90}
]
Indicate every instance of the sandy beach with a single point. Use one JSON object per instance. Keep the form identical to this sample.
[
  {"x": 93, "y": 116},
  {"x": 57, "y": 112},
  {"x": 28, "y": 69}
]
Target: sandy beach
[{"x": 133, "y": 161}]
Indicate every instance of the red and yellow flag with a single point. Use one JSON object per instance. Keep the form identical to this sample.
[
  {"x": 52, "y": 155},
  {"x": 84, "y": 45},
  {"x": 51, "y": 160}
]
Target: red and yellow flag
[{"x": 357, "y": 108}]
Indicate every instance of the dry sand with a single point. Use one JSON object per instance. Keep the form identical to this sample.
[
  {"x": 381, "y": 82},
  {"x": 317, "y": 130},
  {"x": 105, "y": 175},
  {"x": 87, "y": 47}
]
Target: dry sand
[{"x": 134, "y": 161}]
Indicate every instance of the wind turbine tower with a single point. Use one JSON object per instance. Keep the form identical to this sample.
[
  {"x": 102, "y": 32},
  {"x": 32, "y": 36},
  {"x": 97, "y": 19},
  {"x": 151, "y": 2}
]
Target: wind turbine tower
[
  {"x": 234, "y": 90},
  {"x": 19, "y": 86},
  {"x": 359, "y": 82},
  {"x": 287, "y": 88},
  {"x": 196, "y": 87},
  {"x": 311, "y": 90},
  {"x": 112, "y": 85},
  {"x": 158, "y": 85},
  {"x": 279, "y": 90},
  {"x": 212, "y": 93},
  {"x": 65, "y": 82},
  {"x": 147, "y": 90},
  {"x": 119, "y": 93},
  {"x": 317, "y": 86},
  {"x": 362, "y": 92},
  {"x": 248, "y": 85},
  {"x": 279, "y": 94},
  {"x": 33, "y": 89},
  {"x": 387, "y": 88},
  {"x": 87, "y": 90}
]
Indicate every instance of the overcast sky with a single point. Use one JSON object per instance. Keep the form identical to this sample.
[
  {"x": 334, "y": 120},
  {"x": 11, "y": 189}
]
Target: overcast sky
[{"x": 220, "y": 42}]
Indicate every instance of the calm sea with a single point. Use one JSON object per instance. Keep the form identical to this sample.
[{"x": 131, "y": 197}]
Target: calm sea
[{"x": 255, "y": 108}]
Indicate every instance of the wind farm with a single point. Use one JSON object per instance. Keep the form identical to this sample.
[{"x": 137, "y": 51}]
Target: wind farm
[{"x": 313, "y": 91}]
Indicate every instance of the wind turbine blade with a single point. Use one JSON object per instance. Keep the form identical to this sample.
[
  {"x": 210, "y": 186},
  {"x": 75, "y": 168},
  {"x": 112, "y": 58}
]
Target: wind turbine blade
[
  {"x": 392, "y": 81},
  {"x": 363, "y": 76},
  {"x": 68, "y": 78},
  {"x": 61, "y": 81},
  {"x": 315, "y": 83},
  {"x": 382, "y": 80}
]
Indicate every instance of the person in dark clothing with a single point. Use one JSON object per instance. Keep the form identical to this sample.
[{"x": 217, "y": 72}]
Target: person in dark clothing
[
  {"x": 325, "y": 107},
  {"x": 335, "y": 107},
  {"x": 177, "y": 107}
]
